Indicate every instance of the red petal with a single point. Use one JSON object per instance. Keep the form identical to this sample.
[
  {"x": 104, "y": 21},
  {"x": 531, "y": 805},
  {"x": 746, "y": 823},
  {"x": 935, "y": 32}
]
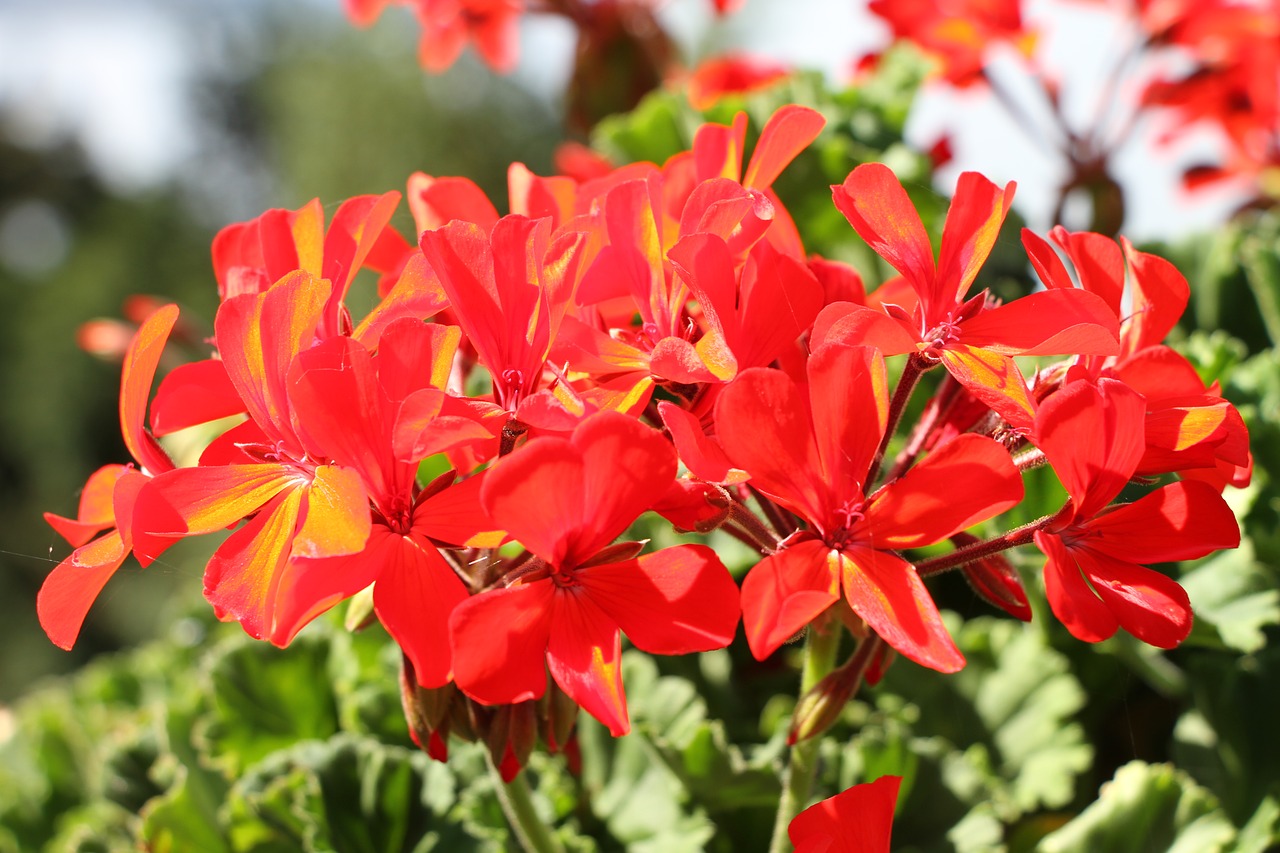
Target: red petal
[
  {"x": 352, "y": 233},
  {"x": 878, "y": 208},
  {"x": 995, "y": 380},
  {"x": 1182, "y": 521},
  {"x": 966, "y": 480},
  {"x": 856, "y": 325},
  {"x": 1152, "y": 607},
  {"x": 977, "y": 211},
  {"x": 335, "y": 520},
  {"x": 417, "y": 294},
  {"x": 194, "y": 393},
  {"x": 763, "y": 425},
  {"x": 414, "y": 597},
  {"x": 1051, "y": 322},
  {"x": 785, "y": 592},
  {"x": 1045, "y": 260},
  {"x": 1072, "y": 600},
  {"x": 536, "y": 496},
  {"x": 585, "y": 658},
  {"x": 1093, "y": 436},
  {"x": 243, "y": 576},
  {"x": 96, "y": 512},
  {"x": 1160, "y": 294},
  {"x": 672, "y": 602},
  {"x": 499, "y": 643},
  {"x": 436, "y": 201},
  {"x": 357, "y": 432},
  {"x": 849, "y": 398},
  {"x": 787, "y": 132},
  {"x": 71, "y": 588},
  {"x": 454, "y": 516},
  {"x": 626, "y": 468},
  {"x": 1098, "y": 262},
  {"x": 700, "y": 453},
  {"x": 859, "y": 820},
  {"x": 886, "y": 591},
  {"x": 258, "y": 337},
  {"x": 140, "y": 362}
]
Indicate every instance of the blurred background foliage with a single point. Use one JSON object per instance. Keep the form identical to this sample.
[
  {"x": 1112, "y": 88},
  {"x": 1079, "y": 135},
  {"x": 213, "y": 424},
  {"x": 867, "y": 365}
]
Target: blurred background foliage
[{"x": 196, "y": 738}]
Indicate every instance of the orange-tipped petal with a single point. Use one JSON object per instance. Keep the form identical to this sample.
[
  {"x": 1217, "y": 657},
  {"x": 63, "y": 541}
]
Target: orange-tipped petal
[{"x": 885, "y": 590}]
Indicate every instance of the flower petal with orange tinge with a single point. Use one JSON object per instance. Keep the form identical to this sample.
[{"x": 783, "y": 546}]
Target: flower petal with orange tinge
[
  {"x": 415, "y": 594},
  {"x": 417, "y": 294},
  {"x": 335, "y": 519},
  {"x": 353, "y": 231},
  {"x": 969, "y": 479},
  {"x": 786, "y": 591},
  {"x": 885, "y": 590},
  {"x": 1099, "y": 264},
  {"x": 1181, "y": 521},
  {"x": 96, "y": 512},
  {"x": 140, "y": 362},
  {"x": 258, "y": 337},
  {"x": 995, "y": 380},
  {"x": 672, "y": 602},
  {"x": 1072, "y": 600},
  {"x": 71, "y": 588},
  {"x": 499, "y": 643},
  {"x": 787, "y": 132},
  {"x": 243, "y": 575},
  {"x": 978, "y": 208},
  {"x": 194, "y": 393},
  {"x": 1050, "y": 322},
  {"x": 878, "y": 208},
  {"x": 584, "y": 655},
  {"x": 676, "y": 360},
  {"x": 1149, "y": 605}
]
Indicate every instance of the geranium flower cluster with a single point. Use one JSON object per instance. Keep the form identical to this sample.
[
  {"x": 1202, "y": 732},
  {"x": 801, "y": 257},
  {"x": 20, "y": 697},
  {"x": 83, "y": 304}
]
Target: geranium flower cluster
[{"x": 656, "y": 339}]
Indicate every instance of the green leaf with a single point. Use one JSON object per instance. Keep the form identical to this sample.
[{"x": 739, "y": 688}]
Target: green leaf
[
  {"x": 671, "y": 717},
  {"x": 1234, "y": 597},
  {"x": 1262, "y": 832},
  {"x": 265, "y": 699},
  {"x": 1146, "y": 807},
  {"x": 1014, "y": 699},
  {"x": 351, "y": 794}
]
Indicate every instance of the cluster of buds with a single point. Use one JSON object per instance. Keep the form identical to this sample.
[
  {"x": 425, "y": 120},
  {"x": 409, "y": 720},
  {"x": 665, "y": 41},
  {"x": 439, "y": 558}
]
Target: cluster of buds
[{"x": 656, "y": 338}]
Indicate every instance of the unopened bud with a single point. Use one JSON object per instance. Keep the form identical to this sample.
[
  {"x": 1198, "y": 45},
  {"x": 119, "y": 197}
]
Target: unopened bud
[
  {"x": 820, "y": 707},
  {"x": 994, "y": 578},
  {"x": 360, "y": 613},
  {"x": 561, "y": 717}
]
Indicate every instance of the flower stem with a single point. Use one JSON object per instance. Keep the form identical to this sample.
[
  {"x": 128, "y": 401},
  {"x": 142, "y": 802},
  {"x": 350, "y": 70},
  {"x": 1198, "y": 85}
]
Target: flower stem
[
  {"x": 762, "y": 538},
  {"x": 911, "y": 373},
  {"x": 820, "y": 651},
  {"x": 517, "y": 804},
  {"x": 960, "y": 556}
]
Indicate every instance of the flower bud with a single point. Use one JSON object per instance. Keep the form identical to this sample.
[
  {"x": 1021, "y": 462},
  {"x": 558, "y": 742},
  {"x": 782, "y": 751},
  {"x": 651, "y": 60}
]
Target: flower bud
[{"x": 994, "y": 578}]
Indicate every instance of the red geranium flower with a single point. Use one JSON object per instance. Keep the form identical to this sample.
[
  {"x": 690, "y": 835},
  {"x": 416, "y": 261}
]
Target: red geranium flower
[
  {"x": 859, "y": 820},
  {"x": 812, "y": 453},
  {"x": 565, "y": 500}
]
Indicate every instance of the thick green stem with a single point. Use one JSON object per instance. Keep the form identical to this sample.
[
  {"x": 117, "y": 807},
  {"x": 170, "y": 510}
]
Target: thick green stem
[
  {"x": 517, "y": 804},
  {"x": 820, "y": 651}
]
